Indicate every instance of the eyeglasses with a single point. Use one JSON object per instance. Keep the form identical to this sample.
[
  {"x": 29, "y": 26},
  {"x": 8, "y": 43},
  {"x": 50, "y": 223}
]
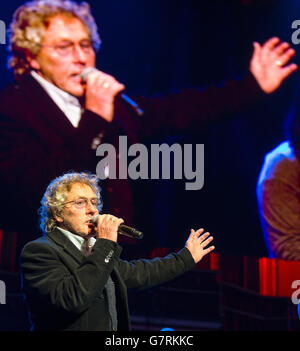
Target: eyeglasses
[
  {"x": 83, "y": 202},
  {"x": 66, "y": 48}
]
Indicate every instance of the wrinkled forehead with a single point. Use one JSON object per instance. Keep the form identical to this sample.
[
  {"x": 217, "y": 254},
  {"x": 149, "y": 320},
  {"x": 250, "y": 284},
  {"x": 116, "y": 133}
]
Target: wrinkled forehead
[
  {"x": 60, "y": 27},
  {"x": 77, "y": 190}
]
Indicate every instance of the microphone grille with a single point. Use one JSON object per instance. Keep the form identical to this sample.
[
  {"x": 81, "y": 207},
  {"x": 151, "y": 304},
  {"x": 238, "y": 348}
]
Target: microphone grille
[
  {"x": 95, "y": 220},
  {"x": 86, "y": 72}
]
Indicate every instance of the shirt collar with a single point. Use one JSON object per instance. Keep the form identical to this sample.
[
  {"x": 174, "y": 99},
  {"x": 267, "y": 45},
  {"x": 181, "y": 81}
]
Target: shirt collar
[
  {"x": 77, "y": 240},
  {"x": 53, "y": 89}
]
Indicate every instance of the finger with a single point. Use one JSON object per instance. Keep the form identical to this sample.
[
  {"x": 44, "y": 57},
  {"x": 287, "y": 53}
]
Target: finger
[
  {"x": 204, "y": 236},
  {"x": 257, "y": 49},
  {"x": 111, "y": 218},
  {"x": 208, "y": 250},
  {"x": 270, "y": 44},
  {"x": 192, "y": 236},
  {"x": 281, "y": 48},
  {"x": 99, "y": 79},
  {"x": 116, "y": 87},
  {"x": 108, "y": 82},
  {"x": 206, "y": 242},
  {"x": 120, "y": 220},
  {"x": 199, "y": 232},
  {"x": 288, "y": 70},
  {"x": 114, "y": 219},
  {"x": 285, "y": 58},
  {"x": 106, "y": 220},
  {"x": 94, "y": 78},
  {"x": 101, "y": 218}
]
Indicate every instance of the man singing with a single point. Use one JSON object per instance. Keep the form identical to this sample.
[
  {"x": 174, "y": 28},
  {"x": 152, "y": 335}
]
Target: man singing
[
  {"x": 73, "y": 277},
  {"x": 51, "y": 120}
]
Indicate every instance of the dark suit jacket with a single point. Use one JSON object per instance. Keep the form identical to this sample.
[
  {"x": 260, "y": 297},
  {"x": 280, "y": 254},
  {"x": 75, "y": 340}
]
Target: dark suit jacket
[
  {"x": 65, "y": 290},
  {"x": 38, "y": 143}
]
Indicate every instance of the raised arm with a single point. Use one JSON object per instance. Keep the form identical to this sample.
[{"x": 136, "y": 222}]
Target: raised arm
[{"x": 146, "y": 273}]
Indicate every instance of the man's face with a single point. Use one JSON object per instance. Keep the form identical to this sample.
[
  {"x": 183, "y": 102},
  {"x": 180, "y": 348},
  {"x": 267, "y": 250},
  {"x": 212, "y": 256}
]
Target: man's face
[
  {"x": 57, "y": 67},
  {"x": 78, "y": 220}
]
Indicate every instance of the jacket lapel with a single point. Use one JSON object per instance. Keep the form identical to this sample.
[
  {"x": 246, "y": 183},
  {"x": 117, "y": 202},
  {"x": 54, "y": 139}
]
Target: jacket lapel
[
  {"x": 45, "y": 107},
  {"x": 120, "y": 289},
  {"x": 61, "y": 240}
]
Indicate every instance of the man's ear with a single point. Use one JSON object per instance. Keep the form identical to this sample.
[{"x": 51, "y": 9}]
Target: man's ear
[
  {"x": 32, "y": 61},
  {"x": 57, "y": 217}
]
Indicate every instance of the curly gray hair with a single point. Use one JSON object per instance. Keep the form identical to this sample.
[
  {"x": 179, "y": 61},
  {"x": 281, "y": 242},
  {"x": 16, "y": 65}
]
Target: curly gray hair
[
  {"x": 30, "y": 22},
  {"x": 55, "y": 196}
]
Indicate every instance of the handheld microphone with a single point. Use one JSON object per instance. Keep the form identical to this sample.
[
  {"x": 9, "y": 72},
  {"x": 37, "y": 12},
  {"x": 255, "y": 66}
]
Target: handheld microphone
[
  {"x": 124, "y": 97},
  {"x": 123, "y": 229}
]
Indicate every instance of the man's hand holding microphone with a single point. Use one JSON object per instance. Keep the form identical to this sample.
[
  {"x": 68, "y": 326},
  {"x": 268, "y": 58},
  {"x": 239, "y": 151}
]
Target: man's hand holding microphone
[{"x": 107, "y": 227}]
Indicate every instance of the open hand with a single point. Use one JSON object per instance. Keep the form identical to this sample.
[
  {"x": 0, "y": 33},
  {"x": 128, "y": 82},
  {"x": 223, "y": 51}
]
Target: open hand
[
  {"x": 196, "y": 244},
  {"x": 268, "y": 63}
]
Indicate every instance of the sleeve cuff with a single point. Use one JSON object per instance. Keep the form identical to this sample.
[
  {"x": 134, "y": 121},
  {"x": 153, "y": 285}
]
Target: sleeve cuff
[{"x": 187, "y": 258}]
